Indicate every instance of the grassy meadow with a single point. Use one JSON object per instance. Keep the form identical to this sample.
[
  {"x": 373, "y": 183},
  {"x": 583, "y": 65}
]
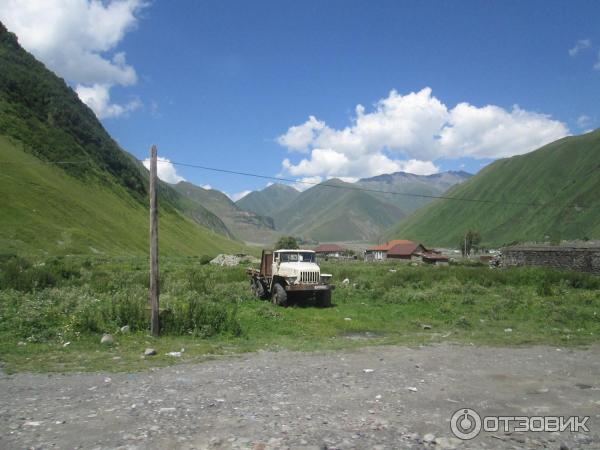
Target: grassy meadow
[{"x": 53, "y": 312}]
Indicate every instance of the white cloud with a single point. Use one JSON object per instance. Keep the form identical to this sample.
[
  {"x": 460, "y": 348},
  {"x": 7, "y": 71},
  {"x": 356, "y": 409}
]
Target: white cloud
[
  {"x": 238, "y": 195},
  {"x": 493, "y": 132},
  {"x": 306, "y": 182},
  {"x": 409, "y": 132},
  {"x": 580, "y": 45},
  {"x": 97, "y": 97},
  {"x": 165, "y": 170},
  {"x": 75, "y": 39},
  {"x": 418, "y": 167},
  {"x": 597, "y": 64},
  {"x": 208, "y": 187},
  {"x": 299, "y": 137}
]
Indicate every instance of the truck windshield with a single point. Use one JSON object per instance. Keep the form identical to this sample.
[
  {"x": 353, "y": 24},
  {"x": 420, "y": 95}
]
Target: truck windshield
[{"x": 297, "y": 256}]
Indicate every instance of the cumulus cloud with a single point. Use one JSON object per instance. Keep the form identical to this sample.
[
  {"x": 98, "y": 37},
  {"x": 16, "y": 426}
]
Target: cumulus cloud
[
  {"x": 76, "y": 39},
  {"x": 165, "y": 170},
  {"x": 493, "y": 132},
  {"x": 580, "y": 45},
  {"x": 97, "y": 97},
  {"x": 409, "y": 132},
  {"x": 299, "y": 137}
]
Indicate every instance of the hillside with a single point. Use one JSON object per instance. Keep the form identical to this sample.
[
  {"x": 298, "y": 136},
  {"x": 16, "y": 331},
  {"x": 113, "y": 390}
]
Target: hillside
[
  {"x": 269, "y": 200},
  {"x": 43, "y": 211},
  {"x": 409, "y": 183},
  {"x": 98, "y": 202},
  {"x": 332, "y": 214},
  {"x": 563, "y": 176},
  {"x": 245, "y": 225}
]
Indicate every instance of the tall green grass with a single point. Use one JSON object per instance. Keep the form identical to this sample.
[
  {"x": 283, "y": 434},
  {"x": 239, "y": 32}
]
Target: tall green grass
[
  {"x": 44, "y": 304},
  {"x": 67, "y": 297}
]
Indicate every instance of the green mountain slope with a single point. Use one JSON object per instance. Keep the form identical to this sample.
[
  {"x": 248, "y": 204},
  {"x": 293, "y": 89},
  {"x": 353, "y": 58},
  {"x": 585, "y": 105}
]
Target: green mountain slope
[
  {"x": 245, "y": 225},
  {"x": 100, "y": 200},
  {"x": 269, "y": 200},
  {"x": 45, "y": 211},
  {"x": 331, "y": 214},
  {"x": 564, "y": 176},
  {"x": 409, "y": 183}
]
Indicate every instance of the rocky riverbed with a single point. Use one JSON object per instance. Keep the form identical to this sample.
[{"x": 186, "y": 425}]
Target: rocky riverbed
[{"x": 373, "y": 398}]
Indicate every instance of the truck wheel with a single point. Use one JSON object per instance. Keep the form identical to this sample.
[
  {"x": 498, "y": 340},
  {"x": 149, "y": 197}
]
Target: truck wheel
[
  {"x": 324, "y": 299},
  {"x": 279, "y": 296},
  {"x": 257, "y": 288}
]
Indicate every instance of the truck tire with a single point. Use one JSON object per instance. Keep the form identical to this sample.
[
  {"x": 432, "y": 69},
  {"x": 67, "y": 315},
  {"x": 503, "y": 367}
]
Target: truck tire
[
  {"x": 257, "y": 288},
  {"x": 279, "y": 296},
  {"x": 324, "y": 299}
]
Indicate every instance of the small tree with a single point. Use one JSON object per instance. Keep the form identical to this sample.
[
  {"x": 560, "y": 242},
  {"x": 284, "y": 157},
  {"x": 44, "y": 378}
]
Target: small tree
[
  {"x": 470, "y": 241},
  {"x": 288, "y": 242},
  {"x": 349, "y": 253},
  {"x": 475, "y": 240}
]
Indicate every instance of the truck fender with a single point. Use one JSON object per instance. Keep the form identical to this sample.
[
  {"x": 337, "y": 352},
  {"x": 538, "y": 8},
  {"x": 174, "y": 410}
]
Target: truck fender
[{"x": 277, "y": 280}]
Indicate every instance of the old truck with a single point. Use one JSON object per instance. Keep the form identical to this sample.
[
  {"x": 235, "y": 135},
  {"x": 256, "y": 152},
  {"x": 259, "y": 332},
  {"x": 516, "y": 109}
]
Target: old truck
[{"x": 290, "y": 274}]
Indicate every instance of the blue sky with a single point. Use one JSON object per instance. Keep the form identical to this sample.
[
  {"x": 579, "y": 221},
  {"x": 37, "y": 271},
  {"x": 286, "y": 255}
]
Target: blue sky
[{"x": 221, "y": 83}]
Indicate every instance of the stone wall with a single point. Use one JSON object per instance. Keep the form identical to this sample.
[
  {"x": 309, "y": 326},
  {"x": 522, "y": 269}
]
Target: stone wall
[{"x": 572, "y": 258}]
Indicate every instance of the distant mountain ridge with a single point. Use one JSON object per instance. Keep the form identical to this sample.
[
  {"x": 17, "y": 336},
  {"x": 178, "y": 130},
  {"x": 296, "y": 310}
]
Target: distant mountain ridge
[
  {"x": 244, "y": 225},
  {"x": 269, "y": 200},
  {"x": 344, "y": 212},
  {"x": 413, "y": 185},
  {"x": 387, "y": 177},
  {"x": 334, "y": 211}
]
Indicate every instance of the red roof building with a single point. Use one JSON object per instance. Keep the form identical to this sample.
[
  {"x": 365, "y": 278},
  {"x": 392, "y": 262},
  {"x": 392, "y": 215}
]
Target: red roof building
[
  {"x": 330, "y": 251},
  {"x": 329, "y": 248},
  {"x": 388, "y": 245},
  {"x": 395, "y": 249}
]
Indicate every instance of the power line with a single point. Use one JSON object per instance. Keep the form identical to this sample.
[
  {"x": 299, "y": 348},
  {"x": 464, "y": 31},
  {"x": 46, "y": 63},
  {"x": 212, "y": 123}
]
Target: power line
[
  {"x": 311, "y": 183},
  {"x": 357, "y": 188}
]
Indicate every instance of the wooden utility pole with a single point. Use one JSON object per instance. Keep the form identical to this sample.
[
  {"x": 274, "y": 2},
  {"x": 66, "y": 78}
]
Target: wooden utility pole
[{"x": 155, "y": 325}]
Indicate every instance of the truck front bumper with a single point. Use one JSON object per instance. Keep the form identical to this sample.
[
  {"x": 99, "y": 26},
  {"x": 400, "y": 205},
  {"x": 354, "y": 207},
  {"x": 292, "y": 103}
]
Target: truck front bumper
[{"x": 309, "y": 287}]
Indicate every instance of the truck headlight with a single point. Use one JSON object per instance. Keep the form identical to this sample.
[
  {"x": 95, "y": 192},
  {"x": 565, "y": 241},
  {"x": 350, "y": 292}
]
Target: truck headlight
[
  {"x": 325, "y": 277},
  {"x": 291, "y": 280}
]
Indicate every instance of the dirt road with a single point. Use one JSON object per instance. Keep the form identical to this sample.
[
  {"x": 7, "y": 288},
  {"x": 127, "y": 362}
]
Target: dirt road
[{"x": 378, "y": 397}]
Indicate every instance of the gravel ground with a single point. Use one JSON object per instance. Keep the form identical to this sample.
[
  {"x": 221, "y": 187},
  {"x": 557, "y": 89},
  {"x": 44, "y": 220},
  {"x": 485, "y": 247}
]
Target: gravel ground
[{"x": 374, "y": 397}]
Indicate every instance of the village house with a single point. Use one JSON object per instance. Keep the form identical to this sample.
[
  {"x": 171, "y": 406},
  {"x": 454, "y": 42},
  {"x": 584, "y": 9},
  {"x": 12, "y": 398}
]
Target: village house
[
  {"x": 398, "y": 249},
  {"x": 330, "y": 251},
  {"x": 434, "y": 258}
]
